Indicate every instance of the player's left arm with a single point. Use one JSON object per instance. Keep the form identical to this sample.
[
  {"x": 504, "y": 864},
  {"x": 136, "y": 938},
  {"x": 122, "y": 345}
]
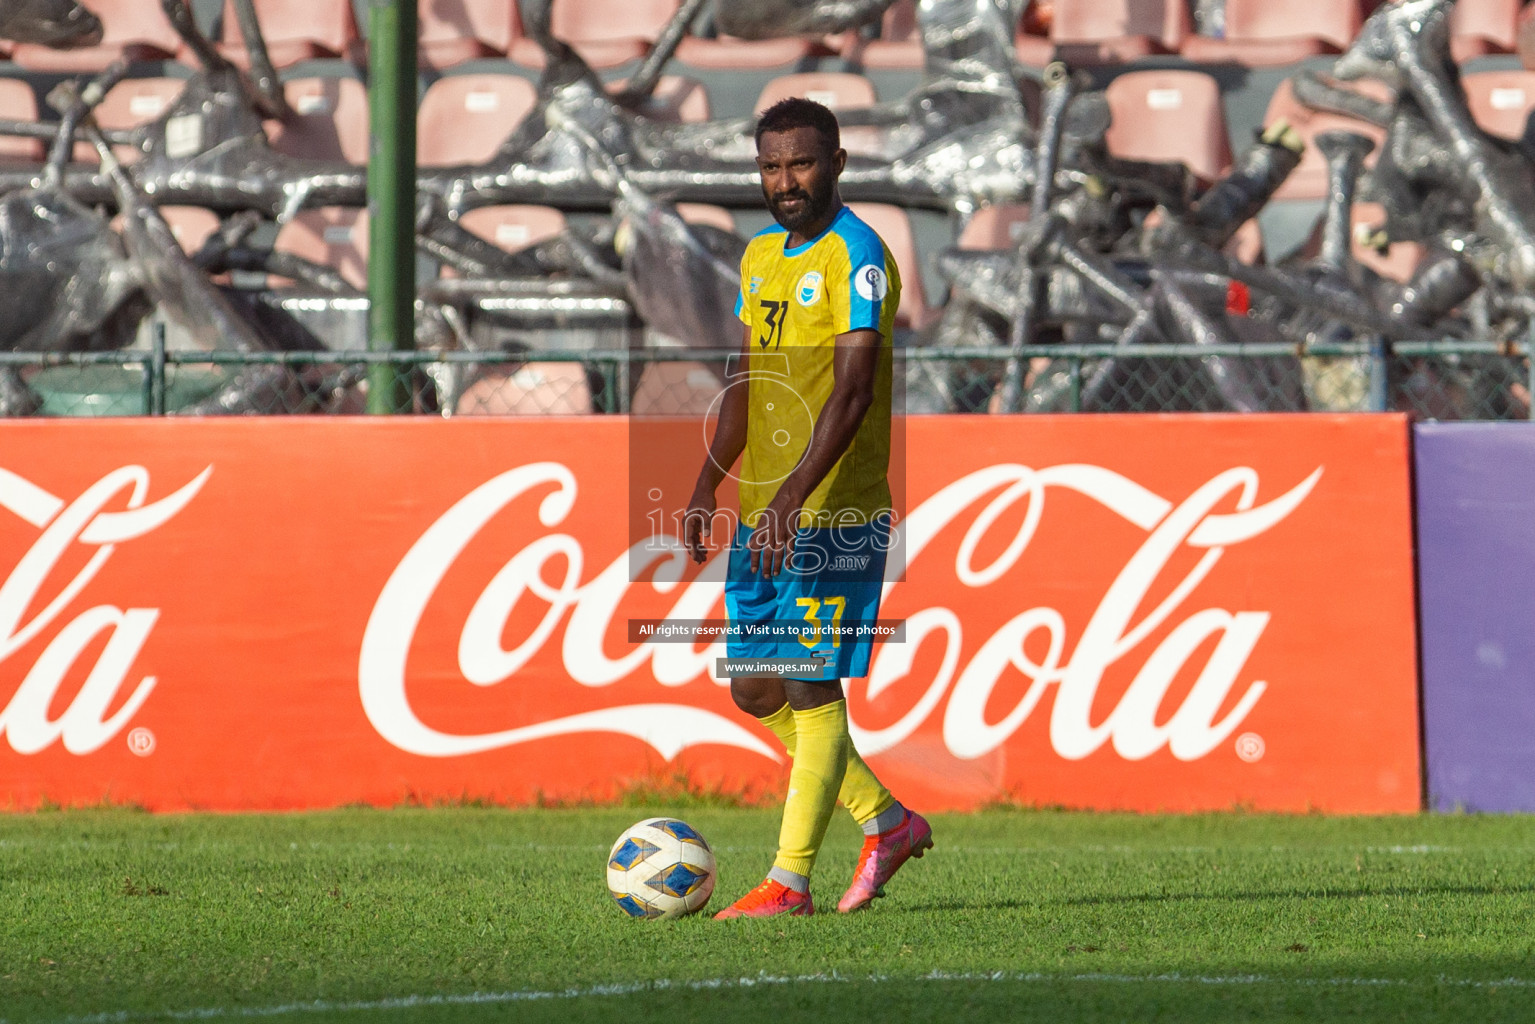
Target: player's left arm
[{"x": 855, "y": 361}]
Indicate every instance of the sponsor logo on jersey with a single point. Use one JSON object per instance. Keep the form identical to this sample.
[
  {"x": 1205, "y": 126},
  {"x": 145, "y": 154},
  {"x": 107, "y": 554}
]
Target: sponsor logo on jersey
[
  {"x": 809, "y": 290},
  {"x": 756, "y": 283},
  {"x": 871, "y": 282}
]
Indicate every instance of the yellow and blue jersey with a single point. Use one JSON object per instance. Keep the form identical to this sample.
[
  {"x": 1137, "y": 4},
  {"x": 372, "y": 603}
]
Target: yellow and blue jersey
[{"x": 796, "y": 300}]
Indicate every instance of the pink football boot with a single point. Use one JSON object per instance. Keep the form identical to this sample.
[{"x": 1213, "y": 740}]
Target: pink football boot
[{"x": 881, "y": 856}]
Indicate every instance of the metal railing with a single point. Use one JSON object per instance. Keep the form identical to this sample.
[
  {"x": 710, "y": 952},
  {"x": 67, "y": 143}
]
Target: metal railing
[{"x": 1435, "y": 379}]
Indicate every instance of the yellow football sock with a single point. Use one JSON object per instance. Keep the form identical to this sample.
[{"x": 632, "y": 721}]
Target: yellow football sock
[
  {"x": 862, "y": 793},
  {"x": 820, "y": 761}
]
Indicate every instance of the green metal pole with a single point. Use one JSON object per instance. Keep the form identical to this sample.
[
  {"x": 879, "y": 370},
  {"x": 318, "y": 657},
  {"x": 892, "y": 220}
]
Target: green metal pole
[{"x": 391, "y": 197}]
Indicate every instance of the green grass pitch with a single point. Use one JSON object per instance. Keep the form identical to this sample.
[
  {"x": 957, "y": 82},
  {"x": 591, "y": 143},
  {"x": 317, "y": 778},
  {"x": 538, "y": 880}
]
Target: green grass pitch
[{"x": 468, "y": 915}]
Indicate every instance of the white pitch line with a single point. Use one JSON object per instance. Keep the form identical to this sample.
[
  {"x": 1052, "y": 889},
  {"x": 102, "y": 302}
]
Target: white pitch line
[{"x": 713, "y": 984}]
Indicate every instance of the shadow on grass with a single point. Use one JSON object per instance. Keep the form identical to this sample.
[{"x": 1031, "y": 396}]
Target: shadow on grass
[
  {"x": 941, "y": 906},
  {"x": 1296, "y": 894}
]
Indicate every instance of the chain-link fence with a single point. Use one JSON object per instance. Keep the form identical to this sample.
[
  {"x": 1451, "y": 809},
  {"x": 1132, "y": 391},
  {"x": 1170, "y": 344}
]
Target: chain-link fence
[{"x": 1430, "y": 380}]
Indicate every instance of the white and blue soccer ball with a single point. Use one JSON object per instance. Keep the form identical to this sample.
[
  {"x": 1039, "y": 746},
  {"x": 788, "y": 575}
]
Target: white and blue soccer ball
[{"x": 661, "y": 867}]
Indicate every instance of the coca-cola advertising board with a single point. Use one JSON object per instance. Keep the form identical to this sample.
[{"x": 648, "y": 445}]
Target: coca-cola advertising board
[{"x": 1141, "y": 612}]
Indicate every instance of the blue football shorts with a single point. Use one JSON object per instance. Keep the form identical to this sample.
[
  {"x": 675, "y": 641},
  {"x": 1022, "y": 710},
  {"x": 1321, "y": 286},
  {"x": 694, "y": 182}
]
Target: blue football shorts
[{"x": 823, "y": 604}]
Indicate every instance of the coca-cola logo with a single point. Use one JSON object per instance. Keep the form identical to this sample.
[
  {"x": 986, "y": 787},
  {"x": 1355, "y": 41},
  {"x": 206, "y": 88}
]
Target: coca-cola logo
[
  {"x": 85, "y": 725},
  {"x": 1137, "y": 727}
]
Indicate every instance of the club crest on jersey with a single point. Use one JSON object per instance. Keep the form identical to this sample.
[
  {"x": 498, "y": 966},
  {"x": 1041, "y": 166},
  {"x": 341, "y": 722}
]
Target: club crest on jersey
[
  {"x": 809, "y": 290},
  {"x": 870, "y": 282}
]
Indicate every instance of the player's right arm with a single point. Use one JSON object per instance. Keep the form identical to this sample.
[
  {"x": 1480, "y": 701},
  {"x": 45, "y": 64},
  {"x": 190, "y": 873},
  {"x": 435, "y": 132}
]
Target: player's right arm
[{"x": 724, "y": 448}]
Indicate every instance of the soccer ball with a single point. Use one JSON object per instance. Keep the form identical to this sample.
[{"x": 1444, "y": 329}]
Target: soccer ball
[{"x": 661, "y": 868}]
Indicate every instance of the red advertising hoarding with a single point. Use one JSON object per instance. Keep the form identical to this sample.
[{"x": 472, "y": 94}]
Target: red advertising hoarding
[{"x": 1140, "y": 612}]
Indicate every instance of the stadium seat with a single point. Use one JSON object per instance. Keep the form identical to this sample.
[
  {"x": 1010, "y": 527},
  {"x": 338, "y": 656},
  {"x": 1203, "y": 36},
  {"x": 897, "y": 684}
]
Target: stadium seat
[
  {"x": 332, "y": 236},
  {"x": 1309, "y": 180},
  {"x": 675, "y": 389},
  {"x": 898, "y": 47},
  {"x": 727, "y": 53},
  {"x": 1169, "y": 116},
  {"x": 533, "y": 389},
  {"x": 1108, "y": 31},
  {"x": 994, "y": 228},
  {"x": 606, "y": 33},
  {"x": 1247, "y": 243},
  {"x": 1031, "y": 38},
  {"x": 464, "y": 119},
  {"x": 135, "y": 29},
  {"x": 296, "y": 30},
  {"x": 704, "y": 213},
  {"x": 1501, "y": 101},
  {"x": 330, "y": 120},
  {"x": 20, "y": 104},
  {"x": 1480, "y": 27},
  {"x": 1398, "y": 261},
  {"x": 894, "y": 226},
  {"x": 839, "y": 90},
  {"x": 192, "y": 225},
  {"x": 1265, "y": 33},
  {"x": 452, "y": 31},
  {"x": 677, "y": 99},
  {"x": 513, "y": 226},
  {"x": 128, "y": 104}
]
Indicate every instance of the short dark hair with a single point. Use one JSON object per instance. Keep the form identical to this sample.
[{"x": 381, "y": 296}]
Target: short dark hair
[{"x": 798, "y": 112}]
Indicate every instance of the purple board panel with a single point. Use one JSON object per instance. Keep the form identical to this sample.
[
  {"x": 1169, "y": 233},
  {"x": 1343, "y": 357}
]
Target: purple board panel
[{"x": 1476, "y": 565}]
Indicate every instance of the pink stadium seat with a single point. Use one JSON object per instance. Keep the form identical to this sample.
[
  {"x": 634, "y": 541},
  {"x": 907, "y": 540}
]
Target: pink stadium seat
[
  {"x": 727, "y": 53},
  {"x": 1501, "y": 101},
  {"x": 20, "y": 104},
  {"x": 296, "y": 30},
  {"x": 513, "y": 227},
  {"x": 606, "y": 33},
  {"x": 192, "y": 225},
  {"x": 135, "y": 29},
  {"x": 1398, "y": 261},
  {"x": 1247, "y": 244},
  {"x": 703, "y": 213},
  {"x": 330, "y": 120},
  {"x": 1169, "y": 116},
  {"x": 332, "y": 236},
  {"x": 463, "y": 119},
  {"x": 839, "y": 90},
  {"x": 130, "y": 103},
  {"x": 677, "y": 99},
  {"x": 452, "y": 31},
  {"x": 1262, "y": 33},
  {"x": 995, "y": 228},
  {"x": 1479, "y": 27},
  {"x": 675, "y": 389},
  {"x": 534, "y": 389},
  {"x": 898, "y": 46},
  {"x": 1309, "y": 180},
  {"x": 1106, "y": 31},
  {"x": 894, "y": 226},
  {"x": 1031, "y": 38}
]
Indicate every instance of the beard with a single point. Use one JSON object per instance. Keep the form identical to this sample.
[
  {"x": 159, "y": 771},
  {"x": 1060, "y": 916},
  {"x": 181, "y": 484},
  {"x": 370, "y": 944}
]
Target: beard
[{"x": 815, "y": 206}]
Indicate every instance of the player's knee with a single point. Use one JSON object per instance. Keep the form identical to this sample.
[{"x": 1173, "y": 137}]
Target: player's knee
[
  {"x": 758, "y": 697},
  {"x": 804, "y": 695}
]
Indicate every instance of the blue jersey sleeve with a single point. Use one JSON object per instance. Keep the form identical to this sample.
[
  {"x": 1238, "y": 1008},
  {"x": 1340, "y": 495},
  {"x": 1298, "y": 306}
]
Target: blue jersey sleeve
[{"x": 868, "y": 277}]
